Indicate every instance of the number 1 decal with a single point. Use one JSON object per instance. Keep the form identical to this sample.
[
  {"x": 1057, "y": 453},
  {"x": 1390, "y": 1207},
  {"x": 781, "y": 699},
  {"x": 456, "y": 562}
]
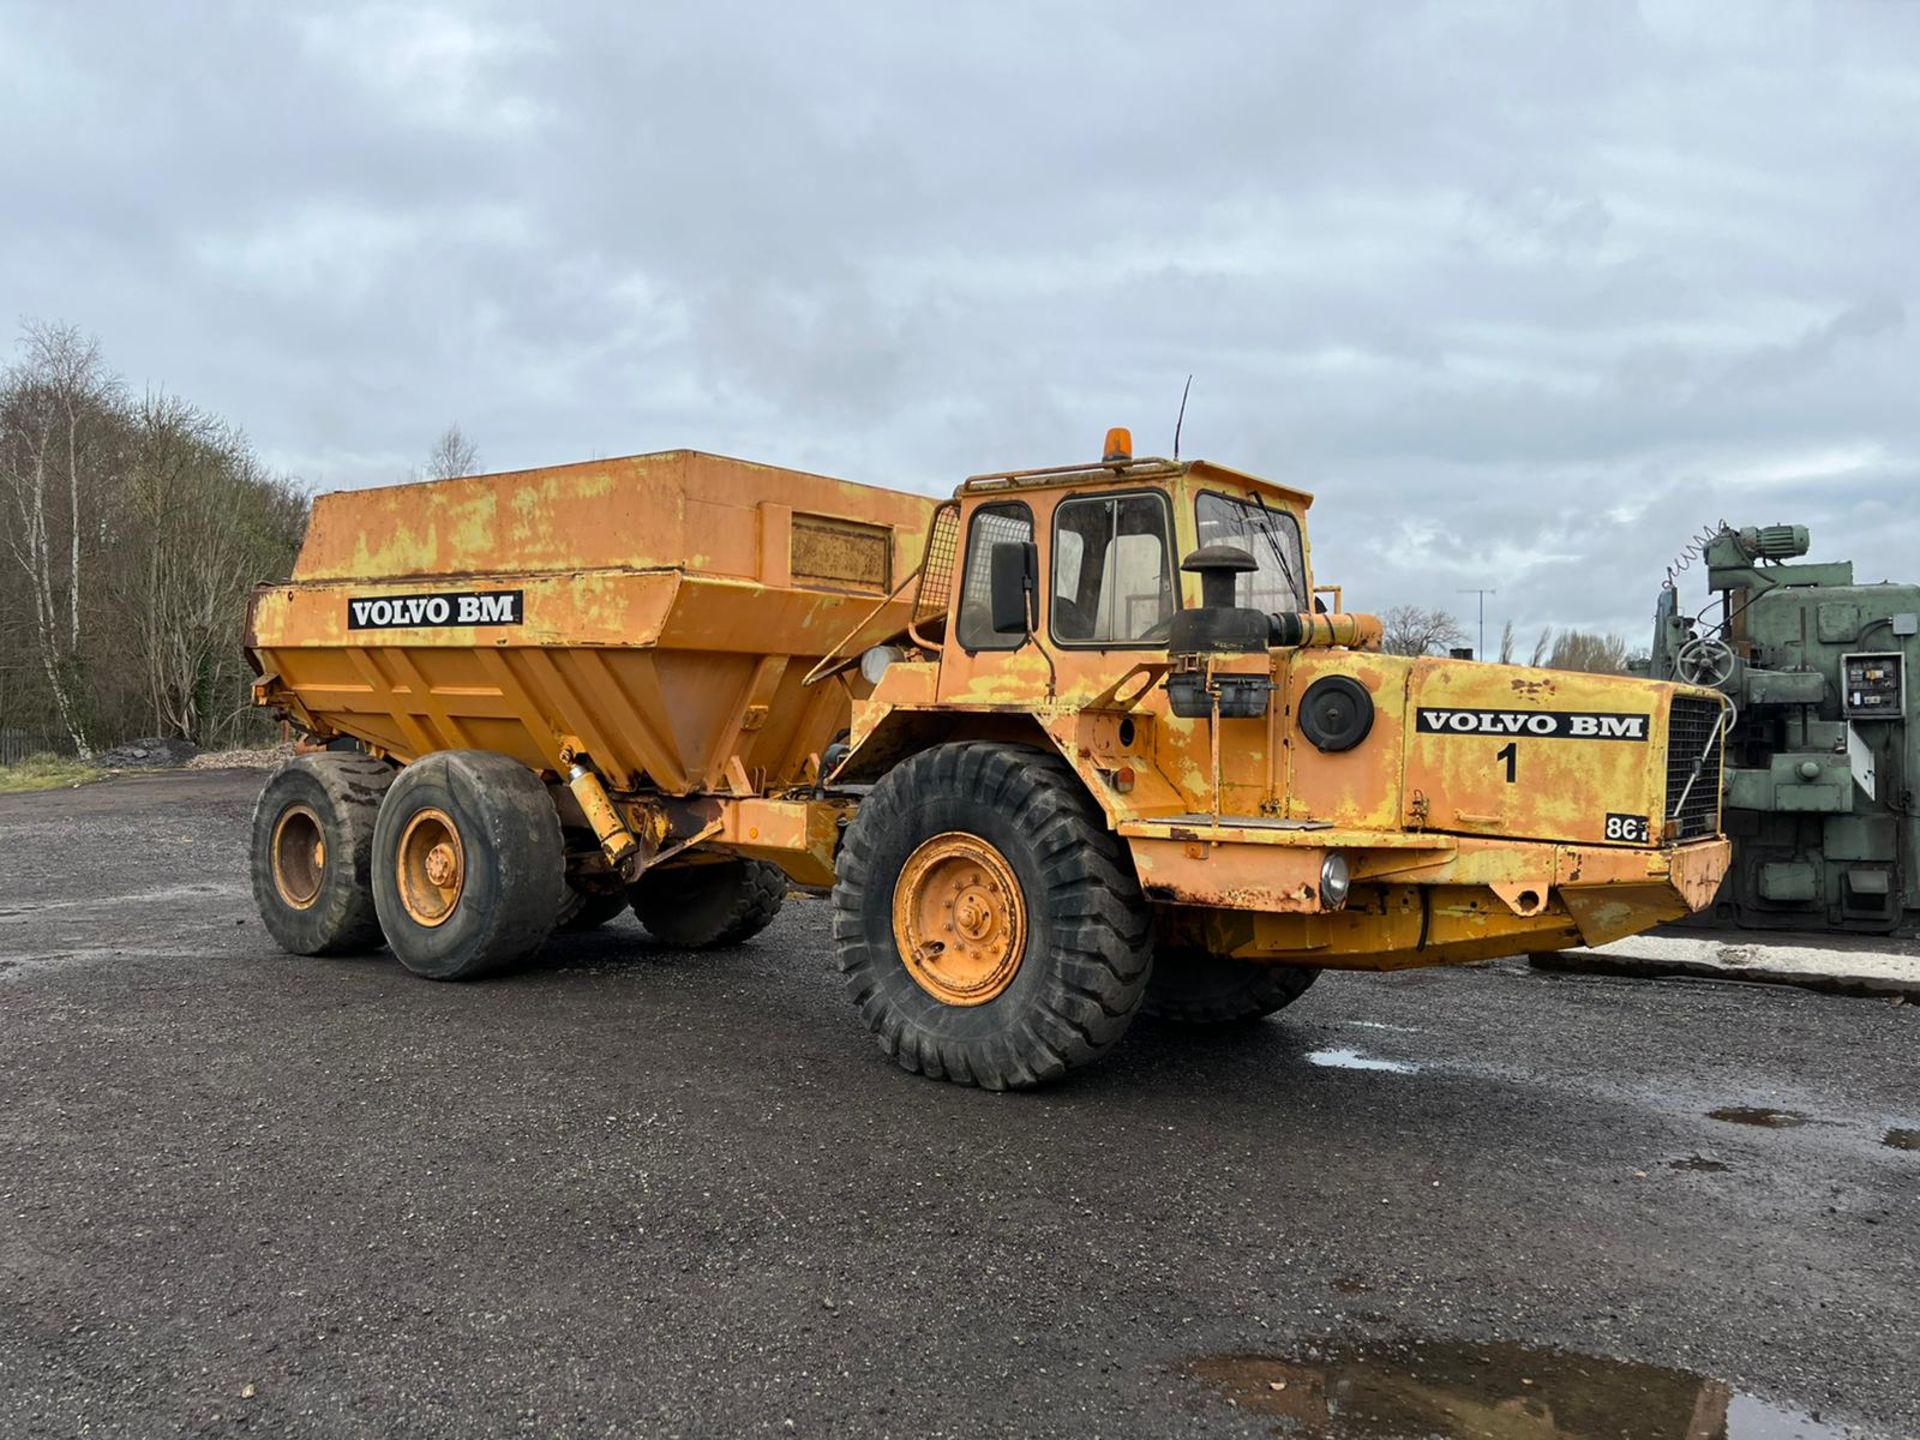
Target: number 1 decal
[{"x": 1512, "y": 756}]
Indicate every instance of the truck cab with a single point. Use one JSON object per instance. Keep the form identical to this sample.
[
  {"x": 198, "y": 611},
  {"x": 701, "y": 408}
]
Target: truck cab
[{"x": 1314, "y": 801}]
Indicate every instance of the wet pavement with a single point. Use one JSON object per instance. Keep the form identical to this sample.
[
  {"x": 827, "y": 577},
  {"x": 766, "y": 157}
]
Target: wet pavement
[
  {"x": 1389, "y": 1390},
  {"x": 633, "y": 1192},
  {"x": 1760, "y": 1115}
]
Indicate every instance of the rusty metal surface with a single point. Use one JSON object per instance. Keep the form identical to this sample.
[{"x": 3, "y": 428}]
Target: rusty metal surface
[
  {"x": 669, "y": 607},
  {"x": 960, "y": 919},
  {"x": 676, "y": 510},
  {"x": 1467, "y": 838},
  {"x": 672, "y": 605}
]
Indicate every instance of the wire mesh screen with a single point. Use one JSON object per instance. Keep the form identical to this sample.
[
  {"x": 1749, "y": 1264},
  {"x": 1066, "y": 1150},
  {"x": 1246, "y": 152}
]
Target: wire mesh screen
[
  {"x": 1694, "y": 735},
  {"x": 936, "y": 572}
]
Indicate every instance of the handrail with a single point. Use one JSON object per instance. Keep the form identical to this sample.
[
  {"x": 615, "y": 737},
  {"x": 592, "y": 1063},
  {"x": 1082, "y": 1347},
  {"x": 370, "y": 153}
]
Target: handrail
[
  {"x": 816, "y": 673},
  {"x": 943, "y": 546}
]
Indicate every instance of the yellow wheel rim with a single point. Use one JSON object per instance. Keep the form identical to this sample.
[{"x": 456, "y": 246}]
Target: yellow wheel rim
[
  {"x": 430, "y": 867},
  {"x": 959, "y": 919},
  {"x": 299, "y": 853}
]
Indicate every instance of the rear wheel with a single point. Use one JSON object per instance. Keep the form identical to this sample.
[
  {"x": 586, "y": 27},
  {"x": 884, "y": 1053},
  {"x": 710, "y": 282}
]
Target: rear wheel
[
  {"x": 1198, "y": 988},
  {"x": 989, "y": 926},
  {"x": 312, "y": 853},
  {"x": 469, "y": 869},
  {"x": 583, "y": 910},
  {"x": 709, "y": 905}
]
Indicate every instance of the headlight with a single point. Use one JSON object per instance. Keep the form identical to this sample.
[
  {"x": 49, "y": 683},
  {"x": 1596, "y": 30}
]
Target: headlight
[
  {"x": 1335, "y": 880},
  {"x": 874, "y": 663}
]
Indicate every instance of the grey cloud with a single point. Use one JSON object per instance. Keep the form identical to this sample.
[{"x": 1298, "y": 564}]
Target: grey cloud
[
  {"x": 1525, "y": 293},
  {"x": 1815, "y": 346}
]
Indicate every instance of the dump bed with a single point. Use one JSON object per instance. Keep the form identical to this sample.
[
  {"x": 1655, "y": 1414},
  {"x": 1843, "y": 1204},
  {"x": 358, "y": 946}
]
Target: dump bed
[{"x": 655, "y": 612}]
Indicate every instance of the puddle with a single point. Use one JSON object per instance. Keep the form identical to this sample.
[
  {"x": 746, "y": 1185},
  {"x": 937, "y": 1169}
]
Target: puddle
[
  {"x": 1354, "y": 1060},
  {"x": 1700, "y": 1163},
  {"x": 1901, "y": 1139},
  {"x": 1758, "y": 1115},
  {"x": 1349, "y": 1391}
]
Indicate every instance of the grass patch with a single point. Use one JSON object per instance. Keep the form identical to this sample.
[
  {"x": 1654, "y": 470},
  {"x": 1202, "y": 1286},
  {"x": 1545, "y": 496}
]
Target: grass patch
[{"x": 44, "y": 772}]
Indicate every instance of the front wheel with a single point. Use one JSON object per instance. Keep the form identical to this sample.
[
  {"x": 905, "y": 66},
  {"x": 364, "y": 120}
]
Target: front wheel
[{"x": 988, "y": 924}]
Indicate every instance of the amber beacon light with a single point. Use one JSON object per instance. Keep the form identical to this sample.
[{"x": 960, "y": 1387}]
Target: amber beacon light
[{"x": 1119, "y": 446}]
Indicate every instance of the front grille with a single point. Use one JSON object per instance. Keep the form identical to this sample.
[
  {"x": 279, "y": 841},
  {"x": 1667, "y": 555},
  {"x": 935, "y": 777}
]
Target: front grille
[{"x": 1694, "y": 725}]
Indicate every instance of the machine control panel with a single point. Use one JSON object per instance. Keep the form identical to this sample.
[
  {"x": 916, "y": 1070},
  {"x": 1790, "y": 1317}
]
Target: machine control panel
[{"x": 1873, "y": 687}]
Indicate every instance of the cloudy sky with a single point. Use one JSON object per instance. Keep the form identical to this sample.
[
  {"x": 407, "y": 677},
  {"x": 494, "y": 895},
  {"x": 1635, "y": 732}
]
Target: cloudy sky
[{"x": 1526, "y": 293}]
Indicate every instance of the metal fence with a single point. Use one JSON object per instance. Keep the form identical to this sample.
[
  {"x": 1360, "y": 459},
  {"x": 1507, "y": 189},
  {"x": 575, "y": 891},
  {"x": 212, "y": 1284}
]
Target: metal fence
[{"x": 17, "y": 745}]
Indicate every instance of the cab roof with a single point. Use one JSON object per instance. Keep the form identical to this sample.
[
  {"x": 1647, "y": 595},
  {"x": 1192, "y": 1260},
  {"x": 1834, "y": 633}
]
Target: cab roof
[{"x": 1145, "y": 470}]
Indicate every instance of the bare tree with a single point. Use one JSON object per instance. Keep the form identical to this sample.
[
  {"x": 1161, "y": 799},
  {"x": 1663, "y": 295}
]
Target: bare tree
[
  {"x": 213, "y": 523},
  {"x": 1541, "y": 647},
  {"x": 1411, "y": 630},
  {"x": 453, "y": 455},
  {"x": 58, "y": 449},
  {"x": 1581, "y": 650},
  {"x": 130, "y": 536},
  {"x": 1506, "y": 643}
]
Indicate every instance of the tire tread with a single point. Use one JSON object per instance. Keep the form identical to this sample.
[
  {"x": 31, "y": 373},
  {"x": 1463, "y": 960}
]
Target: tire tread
[{"x": 1100, "y": 950}]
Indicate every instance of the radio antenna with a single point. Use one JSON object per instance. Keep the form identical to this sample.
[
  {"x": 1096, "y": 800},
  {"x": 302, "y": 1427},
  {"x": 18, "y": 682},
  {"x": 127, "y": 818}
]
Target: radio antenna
[{"x": 1181, "y": 419}]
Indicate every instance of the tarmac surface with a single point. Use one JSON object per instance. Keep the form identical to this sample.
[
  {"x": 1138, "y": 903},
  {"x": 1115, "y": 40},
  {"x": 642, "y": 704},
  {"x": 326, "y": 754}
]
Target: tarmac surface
[{"x": 638, "y": 1192}]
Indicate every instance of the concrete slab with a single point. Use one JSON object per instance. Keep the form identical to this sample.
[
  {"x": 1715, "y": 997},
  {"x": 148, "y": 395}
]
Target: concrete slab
[{"x": 1845, "y": 966}]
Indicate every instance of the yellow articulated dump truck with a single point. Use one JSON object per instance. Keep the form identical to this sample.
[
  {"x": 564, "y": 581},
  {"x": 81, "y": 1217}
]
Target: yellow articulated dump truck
[{"x": 1075, "y": 743}]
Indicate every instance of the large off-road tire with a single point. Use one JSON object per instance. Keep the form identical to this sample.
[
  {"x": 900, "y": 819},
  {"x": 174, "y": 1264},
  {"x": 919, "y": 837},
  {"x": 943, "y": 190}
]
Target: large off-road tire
[
  {"x": 1197, "y": 988},
  {"x": 468, "y": 864},
  {"x": 583, "y": 910},
  {"x": 312, "y": 860},
  {"x": 711, "y": 905},
  {"x": 990, "y": 927}
]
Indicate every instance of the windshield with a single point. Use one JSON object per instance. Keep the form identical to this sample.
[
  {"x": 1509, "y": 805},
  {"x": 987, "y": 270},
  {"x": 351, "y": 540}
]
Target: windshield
[{"x": 1272, "y": 537}]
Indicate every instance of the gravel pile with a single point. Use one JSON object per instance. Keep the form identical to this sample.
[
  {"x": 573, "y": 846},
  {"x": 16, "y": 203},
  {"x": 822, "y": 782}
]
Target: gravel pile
[
  {"x": 153, "y": 753},
  {"x": 241, "y": 759}
]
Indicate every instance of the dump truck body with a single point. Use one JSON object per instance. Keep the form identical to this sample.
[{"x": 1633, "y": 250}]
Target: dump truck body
[
  {"x": 657, "y": 612},
  {"x": 1126, "y": 664}
]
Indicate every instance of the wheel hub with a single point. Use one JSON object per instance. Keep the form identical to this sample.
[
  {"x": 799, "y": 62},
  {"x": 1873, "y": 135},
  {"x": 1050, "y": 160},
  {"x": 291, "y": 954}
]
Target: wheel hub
[
  {"x": 430, "y": 867},
  {"x": 440, "y": 863},
  {"x": 959, "y": 919},
  {"x": 299, "y": 853}
]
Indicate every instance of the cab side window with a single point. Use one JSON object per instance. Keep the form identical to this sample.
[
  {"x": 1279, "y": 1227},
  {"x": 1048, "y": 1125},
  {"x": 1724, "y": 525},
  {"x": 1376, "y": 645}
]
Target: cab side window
[
  {"x": 991, "y": 525},
  {"x": 1113, "y": 571}
]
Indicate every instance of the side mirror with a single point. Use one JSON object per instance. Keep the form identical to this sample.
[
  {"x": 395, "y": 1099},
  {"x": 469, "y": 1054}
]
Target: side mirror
[{"x": 1014, "y": 591}]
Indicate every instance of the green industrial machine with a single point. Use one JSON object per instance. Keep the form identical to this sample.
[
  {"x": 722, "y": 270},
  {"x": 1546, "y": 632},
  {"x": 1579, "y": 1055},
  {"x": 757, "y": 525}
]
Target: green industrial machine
[{"x": 1821, "y": 745}]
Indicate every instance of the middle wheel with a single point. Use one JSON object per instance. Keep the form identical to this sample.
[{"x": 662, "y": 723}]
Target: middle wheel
[
  {"x": 584, "y": 910},
  {"x": 989, "y": 925},
  {"x": 469, "y": 868}
]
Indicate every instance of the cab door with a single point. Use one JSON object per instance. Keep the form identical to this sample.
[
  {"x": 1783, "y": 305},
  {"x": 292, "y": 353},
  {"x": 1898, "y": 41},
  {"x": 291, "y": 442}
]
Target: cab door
[{"x": 979, "y": 663}]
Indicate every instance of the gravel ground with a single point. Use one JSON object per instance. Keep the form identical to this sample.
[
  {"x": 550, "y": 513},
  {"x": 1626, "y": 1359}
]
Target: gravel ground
[{"x": 634, "y": 1192}]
